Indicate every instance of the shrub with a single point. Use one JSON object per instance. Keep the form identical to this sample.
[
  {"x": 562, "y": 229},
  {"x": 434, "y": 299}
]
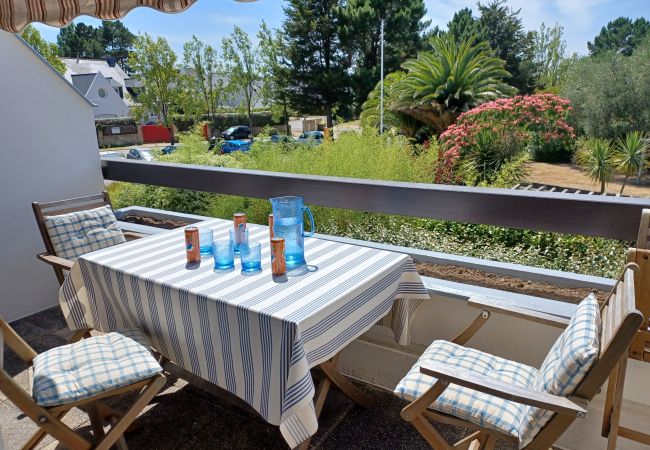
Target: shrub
[
  {"x": 539, "y": 120},
  {"x": 222, "y": 121},
  {"x": 598, "y": 158}
]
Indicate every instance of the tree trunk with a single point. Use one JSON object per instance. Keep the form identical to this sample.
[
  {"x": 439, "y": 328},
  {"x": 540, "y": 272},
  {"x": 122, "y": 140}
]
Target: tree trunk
[
  {"x": 602, "y": 186},
  {"x": 328, "y": 114},
  {"x": 286, "y": 119},
  {"x": 627, "y": 175}
]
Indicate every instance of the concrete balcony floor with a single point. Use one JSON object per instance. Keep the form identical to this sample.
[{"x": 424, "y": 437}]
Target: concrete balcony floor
[{"x": 185, "y": 417}]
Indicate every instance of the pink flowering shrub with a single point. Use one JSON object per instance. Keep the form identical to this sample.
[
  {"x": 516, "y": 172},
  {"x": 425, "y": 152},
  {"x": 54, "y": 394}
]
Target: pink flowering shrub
[{"x": 538, "y": 121}]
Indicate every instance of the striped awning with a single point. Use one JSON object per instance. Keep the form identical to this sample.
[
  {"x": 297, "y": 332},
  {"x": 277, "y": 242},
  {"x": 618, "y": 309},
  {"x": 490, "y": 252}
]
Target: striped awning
[{"x": 17, "y": 14}]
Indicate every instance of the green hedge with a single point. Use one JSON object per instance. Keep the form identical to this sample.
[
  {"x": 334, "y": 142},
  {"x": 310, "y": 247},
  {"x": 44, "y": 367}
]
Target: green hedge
[
  {"x": 222, "y": 121},
  {"x": 115, "y": 122}
]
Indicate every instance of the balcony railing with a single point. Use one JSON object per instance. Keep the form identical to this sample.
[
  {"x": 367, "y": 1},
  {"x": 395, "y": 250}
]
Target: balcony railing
[{"x": 588, "y": 215}]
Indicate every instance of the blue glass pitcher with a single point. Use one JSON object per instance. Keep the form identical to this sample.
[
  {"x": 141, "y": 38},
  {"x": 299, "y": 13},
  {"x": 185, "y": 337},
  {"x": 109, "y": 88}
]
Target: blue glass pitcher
[{"x": 288, "y": 223}]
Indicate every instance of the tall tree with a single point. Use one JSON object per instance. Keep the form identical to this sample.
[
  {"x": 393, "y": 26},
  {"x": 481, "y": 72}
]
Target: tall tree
[
  {"x": 47, "y": 50},
  {"x": 154, "y": 62},
  {"x": 243, "y": 66},
  {"x": 275, "y": 72},
  {"x": 117, "y": 40},
  {"x": 505, "y": 33},
  {"x": 79, "y": 40},
  {"x": 319, "y": 78},
  {"x": 621, "y": 35},
  {"x": 550, "y": 50},
  {"x": 359, "y": 31},
  {"x": 205, "y": 76},
  {"x": 464, "y": 26}
]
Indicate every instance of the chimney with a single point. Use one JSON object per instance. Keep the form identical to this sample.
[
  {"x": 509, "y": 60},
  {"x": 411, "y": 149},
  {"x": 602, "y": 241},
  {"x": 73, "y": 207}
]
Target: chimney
[{"x": 111, "y": 61}]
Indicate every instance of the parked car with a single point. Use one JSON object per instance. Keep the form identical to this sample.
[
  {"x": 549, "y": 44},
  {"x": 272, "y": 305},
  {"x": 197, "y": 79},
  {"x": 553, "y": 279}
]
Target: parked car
[
  {"x": 282, "y": 138},
  {"x": 312, "y": 137},
  {"x": 236, "y": 145},
  {"x": 136, "y": 153},
  {"x": 169, "y": 149},
  {"x": 237, "y": 132}
]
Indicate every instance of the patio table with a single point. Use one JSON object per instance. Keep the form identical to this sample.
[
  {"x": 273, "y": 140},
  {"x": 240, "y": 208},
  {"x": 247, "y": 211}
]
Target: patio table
[{"x": 255, "y": 336}]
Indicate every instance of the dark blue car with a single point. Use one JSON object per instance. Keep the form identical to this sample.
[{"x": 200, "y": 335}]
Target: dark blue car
[{"x": 236, "y": 145}]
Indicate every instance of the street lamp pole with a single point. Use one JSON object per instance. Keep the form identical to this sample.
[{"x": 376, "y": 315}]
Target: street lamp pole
[{"x": 381, "y": 95}]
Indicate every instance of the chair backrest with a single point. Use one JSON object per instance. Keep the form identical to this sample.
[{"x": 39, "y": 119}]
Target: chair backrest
[
  {"x": 42, "y": 210},
  {"x": 643, "y": 239},
  {"x": 620, "y": 321}
]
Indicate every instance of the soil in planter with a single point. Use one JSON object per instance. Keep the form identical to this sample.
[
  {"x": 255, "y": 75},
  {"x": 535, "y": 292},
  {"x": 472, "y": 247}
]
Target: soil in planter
[
  {"x": 505, "y": 283},
  {"x": 167, "y": 224}
]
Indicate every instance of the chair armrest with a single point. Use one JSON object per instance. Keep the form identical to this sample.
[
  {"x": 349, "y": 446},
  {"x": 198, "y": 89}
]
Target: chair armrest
[
  {"x": 53, "y": 260},
  {"x": 488, "y": 385},
  {"x": 508, "y": 308}
]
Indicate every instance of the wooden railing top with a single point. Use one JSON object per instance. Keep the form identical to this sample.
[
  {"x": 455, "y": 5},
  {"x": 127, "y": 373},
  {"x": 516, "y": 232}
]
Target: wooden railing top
[{"x": 589, "y": 215}]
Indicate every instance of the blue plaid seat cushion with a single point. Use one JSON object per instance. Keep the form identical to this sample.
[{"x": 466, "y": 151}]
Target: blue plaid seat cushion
[
  {"x": 571, "y": 357},
  {"x": 81, "y": 232},
  {"x": 89, "y": 367},
  {"x": 482, "y": 409}
]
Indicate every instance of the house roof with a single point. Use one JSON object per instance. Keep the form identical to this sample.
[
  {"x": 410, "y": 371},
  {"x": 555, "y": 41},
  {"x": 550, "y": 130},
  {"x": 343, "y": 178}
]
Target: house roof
[
  {"x": 92, "y": 66},
  {"x": 83, "y": 81}
]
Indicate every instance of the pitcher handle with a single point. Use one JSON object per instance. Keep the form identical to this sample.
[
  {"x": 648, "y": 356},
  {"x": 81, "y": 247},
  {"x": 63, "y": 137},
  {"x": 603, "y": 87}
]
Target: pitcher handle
[{"x": 311, "y": 221}]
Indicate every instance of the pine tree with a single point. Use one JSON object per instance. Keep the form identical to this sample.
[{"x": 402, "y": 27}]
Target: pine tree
[
  {"x": 318, "y": 75},
  {"x": 464, "y": 25},
  {"x": 360, "y": 28},
  {"x": 621, "y": 35}
]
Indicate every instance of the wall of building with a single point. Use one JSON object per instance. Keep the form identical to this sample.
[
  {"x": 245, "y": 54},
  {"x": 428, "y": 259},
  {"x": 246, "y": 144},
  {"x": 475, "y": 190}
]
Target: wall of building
[
  {"x": 111, "y": 105},
  {"x": 53, "y": 159}
]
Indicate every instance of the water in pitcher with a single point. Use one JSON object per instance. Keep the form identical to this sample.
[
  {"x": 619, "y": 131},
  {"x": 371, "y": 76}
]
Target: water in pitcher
[{"x": 291, "y": 229}]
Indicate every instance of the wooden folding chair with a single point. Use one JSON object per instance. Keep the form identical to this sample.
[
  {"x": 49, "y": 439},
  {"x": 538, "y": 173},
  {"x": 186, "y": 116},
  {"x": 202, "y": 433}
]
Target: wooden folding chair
[
  {"x": 620, "y": 322},
  {"x": 42, "y": 210},
  {"x": 49, "y": 419}
]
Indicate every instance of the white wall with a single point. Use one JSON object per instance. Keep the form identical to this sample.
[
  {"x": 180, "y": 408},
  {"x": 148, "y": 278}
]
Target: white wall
[
  {"x": 110, "y": 105},
  {"x": 49, "y": 158}
]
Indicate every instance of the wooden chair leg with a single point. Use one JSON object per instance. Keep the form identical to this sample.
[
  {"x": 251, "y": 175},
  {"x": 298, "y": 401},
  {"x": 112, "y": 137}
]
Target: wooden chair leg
[
  {"x": 96, "y": 421},
  {"x": 38, "y": 436},
  {"x": 617, "y": 402},
  {"x": 120, "y": 427},
  {"x": 429, "y": 433},
  {"x": 490, "y": 442},
  {"x": 470, "y": 442}
]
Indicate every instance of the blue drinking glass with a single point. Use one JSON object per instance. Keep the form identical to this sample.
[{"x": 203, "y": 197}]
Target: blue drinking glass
[
  {"x": 251, "y": 258},
  {"x": 224, "y": 254},
  {"x": 205, "y": 242},
  {"x": 239, "y": 237}
]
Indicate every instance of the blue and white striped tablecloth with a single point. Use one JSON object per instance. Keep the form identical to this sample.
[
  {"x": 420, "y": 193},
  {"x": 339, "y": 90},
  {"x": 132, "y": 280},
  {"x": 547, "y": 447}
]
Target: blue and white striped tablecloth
[{"x": 251, "y": 335}]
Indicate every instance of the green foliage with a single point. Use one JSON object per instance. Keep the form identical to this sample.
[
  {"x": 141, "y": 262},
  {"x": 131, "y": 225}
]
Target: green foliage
[
  {"x": 549, "y": 50},
  {"x": 504, "y": 32},
  {"x": 464, "y": 26},
  {"x": 221, "y": 121},
  {"x": 359, "y": 31},
  {"x": 598, "y": 159},
  {"x": 241, "y": 59},
  {"x": 112, "y": 38},
  {"x": 275, "y": 72},
  {"x": 318, "y": 70},
  {"x": 621, "y": 36},
  {"x": 155, "y": 63},
  {"x": 204, "y": 83},
  {"x": 611, "y": 93},
  {"x": 440, "y": 84},
  {"x": 48, "y": 51},
  {"x": 631, "y": 155},
  {"x": 484, "y": 161}
]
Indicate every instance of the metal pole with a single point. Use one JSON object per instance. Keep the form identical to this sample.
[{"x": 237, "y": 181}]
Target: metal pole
[{"x": 381, "y": 100}]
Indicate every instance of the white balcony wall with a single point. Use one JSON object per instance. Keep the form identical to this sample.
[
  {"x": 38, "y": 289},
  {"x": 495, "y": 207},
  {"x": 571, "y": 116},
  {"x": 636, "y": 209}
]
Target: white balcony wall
[{"x": 49, "y": 152}]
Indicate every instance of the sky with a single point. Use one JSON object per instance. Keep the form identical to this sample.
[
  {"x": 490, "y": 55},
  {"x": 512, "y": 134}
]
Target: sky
[{"x": 211, "y": 20}]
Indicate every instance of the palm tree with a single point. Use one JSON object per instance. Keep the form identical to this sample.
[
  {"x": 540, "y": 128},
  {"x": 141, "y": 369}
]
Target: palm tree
[
  {"x": 631, "y": 154},
  {"x": 598, "y": 158},
  {"x": 442, "y": 83}
]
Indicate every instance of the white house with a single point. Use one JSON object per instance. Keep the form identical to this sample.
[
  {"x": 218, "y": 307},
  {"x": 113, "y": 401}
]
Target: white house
[
  {"x": 99, "y": 90},
  {"x": 104, "y": 83},
  {"x": 50, "y": 152}
]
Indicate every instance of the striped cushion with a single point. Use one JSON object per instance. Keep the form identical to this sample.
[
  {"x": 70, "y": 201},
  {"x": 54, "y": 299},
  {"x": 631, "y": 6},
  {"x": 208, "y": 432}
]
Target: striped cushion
[
  {"x": 89, "y": 367},
  {"x": 481, "y": 409},
  {"x": 567, "y": 363},
  {"x": 80, "y": 232}
]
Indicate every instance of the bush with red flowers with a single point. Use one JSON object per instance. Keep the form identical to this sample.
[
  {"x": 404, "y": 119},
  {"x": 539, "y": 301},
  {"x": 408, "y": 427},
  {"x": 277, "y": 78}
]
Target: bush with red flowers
[{"x": 541, "y": 120}]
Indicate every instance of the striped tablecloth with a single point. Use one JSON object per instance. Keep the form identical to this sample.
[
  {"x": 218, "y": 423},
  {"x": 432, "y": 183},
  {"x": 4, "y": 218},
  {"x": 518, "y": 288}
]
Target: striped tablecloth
[{"x": 252, "y": 335}]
